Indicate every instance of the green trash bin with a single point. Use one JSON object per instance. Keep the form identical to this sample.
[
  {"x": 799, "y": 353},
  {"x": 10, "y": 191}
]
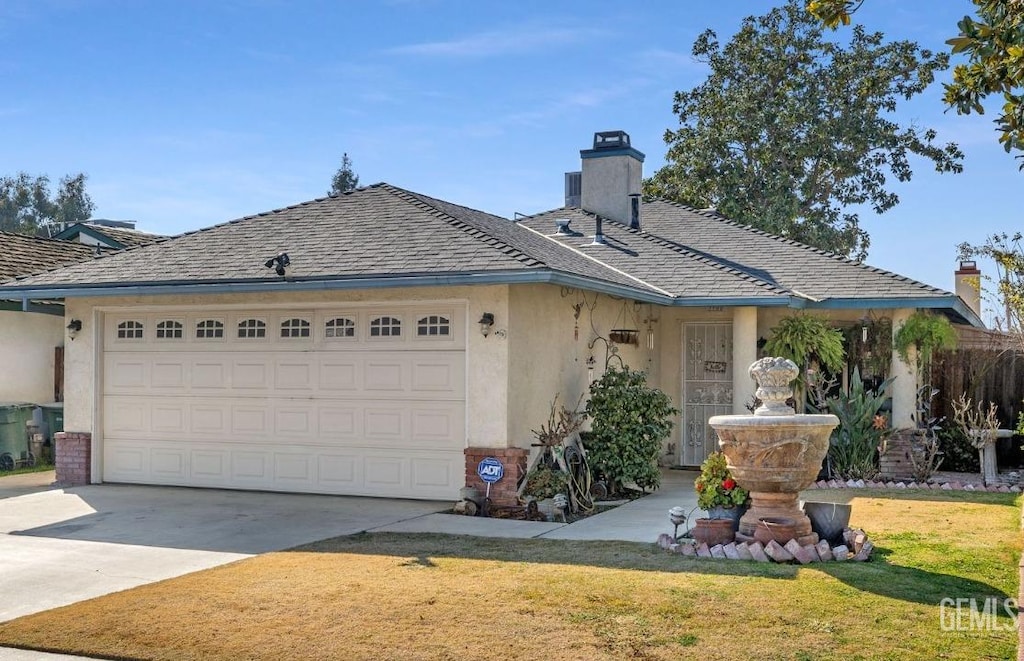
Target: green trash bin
[
  {"x": 53, "y": 420},
  {"x": 13, "y": 436}
]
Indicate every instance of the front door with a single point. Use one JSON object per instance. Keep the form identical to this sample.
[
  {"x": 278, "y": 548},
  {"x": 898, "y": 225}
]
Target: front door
[{"x": 707, "y": 387}]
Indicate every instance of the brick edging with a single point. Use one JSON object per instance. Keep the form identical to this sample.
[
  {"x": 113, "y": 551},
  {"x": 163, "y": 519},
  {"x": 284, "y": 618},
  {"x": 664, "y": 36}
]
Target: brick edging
[{"x": 944, "y": 486}]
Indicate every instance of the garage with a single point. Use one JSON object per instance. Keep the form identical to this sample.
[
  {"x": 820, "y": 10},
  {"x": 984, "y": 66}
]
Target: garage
[{"x": 356, "y": 400}]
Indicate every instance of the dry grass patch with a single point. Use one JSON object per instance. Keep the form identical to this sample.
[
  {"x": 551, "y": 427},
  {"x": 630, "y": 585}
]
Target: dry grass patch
[{"x": 440, "y": 597}]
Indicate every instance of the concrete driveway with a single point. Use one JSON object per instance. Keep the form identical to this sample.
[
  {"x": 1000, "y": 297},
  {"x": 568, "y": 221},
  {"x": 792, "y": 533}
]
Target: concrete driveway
[{"x": 60, "y": 546}]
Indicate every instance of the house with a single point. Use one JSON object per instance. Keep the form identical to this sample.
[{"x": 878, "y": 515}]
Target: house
[
  {"x": 110, "y": 234},
  {"x": 383, "y": 342},
  {"x": 31, "y": 332}
]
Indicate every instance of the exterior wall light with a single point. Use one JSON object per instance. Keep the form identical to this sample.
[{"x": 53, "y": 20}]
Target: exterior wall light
[
  {"x": 74, "y": 326},
  {"x": 486, "y": 323}
]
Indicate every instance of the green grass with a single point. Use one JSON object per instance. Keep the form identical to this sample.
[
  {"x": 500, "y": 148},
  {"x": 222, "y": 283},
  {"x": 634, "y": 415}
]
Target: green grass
[
  {"x": 21, "y": 470},
  {"x": 431, "y": 596}
]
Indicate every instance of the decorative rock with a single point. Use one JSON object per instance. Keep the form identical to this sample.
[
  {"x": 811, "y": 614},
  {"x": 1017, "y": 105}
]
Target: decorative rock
[
  {"x": 703, "y": 551},
  {"x": 890, "y": 485},
  {"x": 912, "y": 485},
  {"x": 859, "y": 484},
  {"x": 841, "y": 553},
  {"x": 776, "y": 552},
  {"x": 934, "y": 486},
  {"x": 946, "y": 487},
  {"x": 865, "y": 552},
  {"x": 821, "y": 484},
  {"x": 689, "y": 550},
  {"x": 851, "y": 483},
  {"x": 833, "y": 484},
  {"x": 665, "y": 540},
  {"x": 969, "y": 487},
  {"x": 673, "y": 548},
  {"x": 824, "y": 551},
  {"x": 957, "y": 486},
  {"x": 801, "y": 553},
  {"x": 900, "y": 485},
  {"x": 1004, "y": 489},
  {"x": 743, "y": 551},
  {"x": 1015, "y": 488},
  {"x": 730, "y": 551},
  {"x": 757, "y": 552},
  {"x": 718, "y": 551}
]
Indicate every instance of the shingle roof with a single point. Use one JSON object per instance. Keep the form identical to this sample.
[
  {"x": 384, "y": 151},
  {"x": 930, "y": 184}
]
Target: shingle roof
[
  {"x": 380, "y": 230},
  {"x": 24, "y": 255},
  {"x": 682, "y": 256},
  {"x": 787, "y": 264}
]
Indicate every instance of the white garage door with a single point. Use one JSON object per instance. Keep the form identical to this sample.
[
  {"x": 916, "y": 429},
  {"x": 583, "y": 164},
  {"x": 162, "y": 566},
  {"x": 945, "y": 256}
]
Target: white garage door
[{"x": 365, "y": 401}]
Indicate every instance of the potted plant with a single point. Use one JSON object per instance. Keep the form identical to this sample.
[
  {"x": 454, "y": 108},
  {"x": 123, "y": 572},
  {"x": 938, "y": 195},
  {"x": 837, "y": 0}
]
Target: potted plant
[{"x": 718, "y": 493}]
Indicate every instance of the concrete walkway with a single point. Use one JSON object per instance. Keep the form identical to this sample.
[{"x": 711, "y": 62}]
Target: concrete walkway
[{"x": 641, "y": 520}]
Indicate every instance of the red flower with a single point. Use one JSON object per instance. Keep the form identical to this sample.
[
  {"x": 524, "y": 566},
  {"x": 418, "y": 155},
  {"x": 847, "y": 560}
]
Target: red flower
[
  {"x": 700, "y": 486},
  {"x": 728, "y": 484}
]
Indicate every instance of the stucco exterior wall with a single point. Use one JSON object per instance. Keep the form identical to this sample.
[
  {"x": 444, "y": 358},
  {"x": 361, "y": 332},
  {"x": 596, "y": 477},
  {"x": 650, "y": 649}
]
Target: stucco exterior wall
[
  {"x": 27, "y": 343},
  {"x": 487, "y": 358}
]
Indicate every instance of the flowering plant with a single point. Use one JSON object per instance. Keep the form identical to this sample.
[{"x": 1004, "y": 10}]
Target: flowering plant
[{"x": 716, "y": 487}]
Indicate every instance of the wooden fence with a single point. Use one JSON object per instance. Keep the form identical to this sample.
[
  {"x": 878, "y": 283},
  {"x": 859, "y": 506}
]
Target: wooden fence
[{"x": 985, "y": 375}]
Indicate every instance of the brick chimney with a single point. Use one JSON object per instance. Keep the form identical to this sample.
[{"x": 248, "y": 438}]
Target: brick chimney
[
  {"x": 968, "y": 285},
  {"x": 612, "y": 172}
]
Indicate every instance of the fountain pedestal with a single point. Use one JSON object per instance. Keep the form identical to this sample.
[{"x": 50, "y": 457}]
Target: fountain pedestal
[{"x": 774, "y": 453}]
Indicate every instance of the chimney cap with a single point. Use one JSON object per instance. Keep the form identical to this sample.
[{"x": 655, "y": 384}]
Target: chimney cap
[
  {"x": 968, "y": 265},
  {"x": 611, "y": 140}
]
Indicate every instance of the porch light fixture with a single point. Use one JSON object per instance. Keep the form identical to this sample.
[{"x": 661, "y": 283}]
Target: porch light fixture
[
  {"x": 74, "y": 326},
  {"x": 486, "y": 323},
  {"x": 278, "y": 262}
]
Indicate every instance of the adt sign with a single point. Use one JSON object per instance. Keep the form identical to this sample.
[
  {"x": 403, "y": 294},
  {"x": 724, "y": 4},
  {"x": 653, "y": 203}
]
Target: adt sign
[{"x": 490, "y": 470}]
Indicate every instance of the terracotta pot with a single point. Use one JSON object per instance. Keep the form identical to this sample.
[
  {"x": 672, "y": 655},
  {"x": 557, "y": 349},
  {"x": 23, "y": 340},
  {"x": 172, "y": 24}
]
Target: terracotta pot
[
  {"x": 732, "y": 513},
  {"x": 713, "y": 531},
  {"x": 778, "y": 529}
]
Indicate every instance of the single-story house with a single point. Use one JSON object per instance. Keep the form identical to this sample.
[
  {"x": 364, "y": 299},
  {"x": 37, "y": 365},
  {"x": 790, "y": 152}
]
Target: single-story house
[
  {"x": 383, "y": 342},
  {"x": 31, "y": 332}
]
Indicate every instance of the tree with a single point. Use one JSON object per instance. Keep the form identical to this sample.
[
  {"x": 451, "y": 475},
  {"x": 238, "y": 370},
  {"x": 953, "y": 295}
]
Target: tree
[
  {"x": 993, "y": 42},
  {"x": 790, "y": 129},
  {"x": 27, "y": 207},
  {"x": 344, "y": 179},
  {"x": 1007, "y": 251}
]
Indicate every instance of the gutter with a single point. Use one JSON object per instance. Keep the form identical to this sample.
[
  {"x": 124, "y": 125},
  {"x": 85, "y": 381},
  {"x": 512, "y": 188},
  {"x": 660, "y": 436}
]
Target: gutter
[{"x": 536, "y": 276}]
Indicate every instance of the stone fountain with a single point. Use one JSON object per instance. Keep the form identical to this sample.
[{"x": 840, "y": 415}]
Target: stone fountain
[{"x": 774, "y": 453}]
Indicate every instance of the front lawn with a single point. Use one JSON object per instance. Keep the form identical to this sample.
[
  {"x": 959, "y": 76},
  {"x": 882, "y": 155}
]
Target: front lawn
[{"x": 391, "y": 596}]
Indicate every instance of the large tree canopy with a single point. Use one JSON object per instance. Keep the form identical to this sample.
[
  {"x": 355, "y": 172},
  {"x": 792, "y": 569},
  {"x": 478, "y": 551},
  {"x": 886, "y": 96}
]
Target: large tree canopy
[
  {"x": 1007, "y": 251},
  {"x": 993, "y": 42},
  {"x": 28, "y": 207},
  {"x": 790, "y": 129}
]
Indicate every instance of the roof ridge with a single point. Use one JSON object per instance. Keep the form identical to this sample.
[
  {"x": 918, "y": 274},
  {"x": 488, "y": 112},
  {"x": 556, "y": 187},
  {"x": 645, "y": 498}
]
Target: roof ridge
[
  {"x": 414, "y": 198},
  {"x": 715, "y": 215}
]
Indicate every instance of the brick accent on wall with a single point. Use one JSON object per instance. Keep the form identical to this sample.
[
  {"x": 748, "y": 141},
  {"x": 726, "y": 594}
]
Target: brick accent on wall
[
  {"x": 73, "y": 458},
  {"x": 503, "y": 493}
]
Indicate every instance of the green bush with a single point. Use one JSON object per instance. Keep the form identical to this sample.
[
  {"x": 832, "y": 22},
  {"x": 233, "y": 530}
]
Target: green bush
[
  {"x": 958, "y": 452},
  {"x": 853, "y": 448},
  {"x": 630, "y": 420}
]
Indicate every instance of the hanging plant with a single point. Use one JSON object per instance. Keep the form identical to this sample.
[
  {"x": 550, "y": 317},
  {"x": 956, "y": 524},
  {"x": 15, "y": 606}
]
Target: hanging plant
[
  {"x": 926, "y": 332},
  {"x": 869, "y": 346},
  {"x": 804, "y": 338}
]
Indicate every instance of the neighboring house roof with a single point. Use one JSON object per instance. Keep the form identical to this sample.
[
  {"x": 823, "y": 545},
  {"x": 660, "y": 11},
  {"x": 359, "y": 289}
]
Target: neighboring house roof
[
  {"x": 112, "y": 237},
  {"x": 23, "y": 255},
  {"x": 382, "y": 236}
]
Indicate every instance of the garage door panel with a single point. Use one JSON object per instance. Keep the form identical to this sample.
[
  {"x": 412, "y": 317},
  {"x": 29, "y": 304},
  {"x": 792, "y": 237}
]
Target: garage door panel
[{"x": 323, "y": 414}]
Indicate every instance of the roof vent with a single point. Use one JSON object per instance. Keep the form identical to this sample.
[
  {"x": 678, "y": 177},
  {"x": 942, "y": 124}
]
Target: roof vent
[
  {"x": 599, "y": 239},
  {"x": 562, "y": 226}
]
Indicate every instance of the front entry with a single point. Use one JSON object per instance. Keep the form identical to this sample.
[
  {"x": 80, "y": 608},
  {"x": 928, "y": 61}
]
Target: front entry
[{"x": 707, "y": 387}]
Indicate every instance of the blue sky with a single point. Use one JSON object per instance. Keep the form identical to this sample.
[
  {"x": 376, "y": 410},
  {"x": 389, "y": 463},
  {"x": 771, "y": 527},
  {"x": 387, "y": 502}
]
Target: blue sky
[{"x": 185, "y": 114}]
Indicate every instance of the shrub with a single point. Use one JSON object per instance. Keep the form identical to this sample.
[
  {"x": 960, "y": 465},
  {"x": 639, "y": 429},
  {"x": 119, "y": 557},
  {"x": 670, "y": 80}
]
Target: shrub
[
  {"x": 958, "y": 451},
  {"x": 630, "y": 420},
  {"x": 854, "y": 446}
]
